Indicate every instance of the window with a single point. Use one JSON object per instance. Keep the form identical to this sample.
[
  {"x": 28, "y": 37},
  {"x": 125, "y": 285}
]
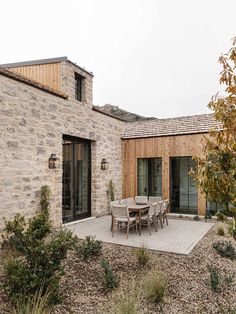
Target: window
[
  {"x": 78, "y": 87},
  {"x": 150, "y": 176}
]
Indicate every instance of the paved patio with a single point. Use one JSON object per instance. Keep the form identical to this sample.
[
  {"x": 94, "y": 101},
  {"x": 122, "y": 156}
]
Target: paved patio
[{"x": 180, "y": 237}]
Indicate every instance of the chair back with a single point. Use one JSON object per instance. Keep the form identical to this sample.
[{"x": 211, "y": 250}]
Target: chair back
[
  {"x": 154, "y": 199},
  {"x": 120, "y": 211},
  {"x": 127, "y": 201},
  {"x": 141, "y": 200},
  {"x": 159, "y": 207},
  {"x": 152, "y": 209},
  {"x": 165, "y": 205},
  {"x": 114, "y": 203}
]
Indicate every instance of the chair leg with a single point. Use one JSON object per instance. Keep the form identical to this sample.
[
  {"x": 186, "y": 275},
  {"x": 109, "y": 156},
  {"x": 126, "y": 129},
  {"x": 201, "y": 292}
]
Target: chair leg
[
  {"x": 112, "y": 226},
  {"x": 160, "y": 218},
  {"x": 149, "y": 227},
  {"x": 127, "y": 230},
  {"x": 166, "y": 220},
  {"x": 155, "y": 223},
  {"x": 136, "y": 226}
]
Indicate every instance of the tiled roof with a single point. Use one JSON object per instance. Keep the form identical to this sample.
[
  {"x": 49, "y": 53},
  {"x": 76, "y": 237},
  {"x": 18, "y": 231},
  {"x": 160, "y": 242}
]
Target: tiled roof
[
  {"x": 172, "y": 126},
  {"x": 24, "y": 79}
]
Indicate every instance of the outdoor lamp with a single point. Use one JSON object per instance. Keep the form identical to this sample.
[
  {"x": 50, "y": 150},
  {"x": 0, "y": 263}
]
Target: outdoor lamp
[
  {"x": 104, "y": 164},
  {"x": 53, "y": 161}
]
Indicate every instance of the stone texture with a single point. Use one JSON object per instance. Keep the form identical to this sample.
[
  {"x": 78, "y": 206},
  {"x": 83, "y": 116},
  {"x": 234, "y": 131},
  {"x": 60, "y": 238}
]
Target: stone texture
[{"x": 32, "y": 125}]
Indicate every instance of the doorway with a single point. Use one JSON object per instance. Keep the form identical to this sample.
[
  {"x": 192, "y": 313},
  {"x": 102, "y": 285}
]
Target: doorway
[
  {"x": 183, "y": 190},
  {"x": 76, "y": 179}
]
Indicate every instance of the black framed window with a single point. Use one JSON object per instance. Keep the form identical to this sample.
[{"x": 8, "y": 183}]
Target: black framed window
[
  {"x": 150, "y": 176},
  {"x": 78, "y": 86}
]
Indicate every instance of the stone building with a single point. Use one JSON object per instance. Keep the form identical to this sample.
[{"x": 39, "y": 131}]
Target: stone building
[{"x": 47, "y": 117}]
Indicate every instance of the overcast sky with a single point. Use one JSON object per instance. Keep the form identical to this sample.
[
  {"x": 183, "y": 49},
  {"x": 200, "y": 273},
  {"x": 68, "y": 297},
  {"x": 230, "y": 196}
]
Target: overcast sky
[{"x": 153, "y": 57}]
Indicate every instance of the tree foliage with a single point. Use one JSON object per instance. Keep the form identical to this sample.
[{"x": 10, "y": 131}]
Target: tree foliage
[{"x": 216, "y": 171}]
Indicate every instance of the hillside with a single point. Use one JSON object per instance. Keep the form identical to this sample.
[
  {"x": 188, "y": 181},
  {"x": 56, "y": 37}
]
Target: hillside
[{"x": 122, "y": 114}]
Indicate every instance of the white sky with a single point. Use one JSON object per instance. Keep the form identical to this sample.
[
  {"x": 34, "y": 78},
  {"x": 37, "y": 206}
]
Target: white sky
[{"x": 153, "y": 57}]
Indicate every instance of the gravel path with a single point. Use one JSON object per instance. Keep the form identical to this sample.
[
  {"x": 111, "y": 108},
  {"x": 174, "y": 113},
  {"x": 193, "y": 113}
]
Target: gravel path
[{"x": 186, "y": 276}]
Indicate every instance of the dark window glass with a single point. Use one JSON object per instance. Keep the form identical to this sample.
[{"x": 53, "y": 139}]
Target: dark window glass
[
  {"x": 78, "y": 87},
  {"x": 150, "y": 176}
]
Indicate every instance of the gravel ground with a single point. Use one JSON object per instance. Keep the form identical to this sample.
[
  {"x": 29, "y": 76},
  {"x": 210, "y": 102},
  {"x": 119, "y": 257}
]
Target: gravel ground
[{"x": 186, "y": 277}]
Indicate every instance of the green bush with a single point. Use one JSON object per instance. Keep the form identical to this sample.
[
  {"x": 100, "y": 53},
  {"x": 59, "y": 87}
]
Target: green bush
[
  {"x": 225, "y": 249},
  {"x": 111, "y": 281},
  {"x": 214, "y": 278},
  {"x": 220, "y": 230},
  {"x": 127, "y": 305},
  {"x": 40, "y": 252},
  {"x": 232, "y": 229},
  {"x": 221, "y": 217},
  {"x": 219, "y": 280},
  {"x": 196, "y": 218},
  {"x": 143, "y": 256},
  {"x": 89, "y": 247},
  {"x": 154, "y": 288}
]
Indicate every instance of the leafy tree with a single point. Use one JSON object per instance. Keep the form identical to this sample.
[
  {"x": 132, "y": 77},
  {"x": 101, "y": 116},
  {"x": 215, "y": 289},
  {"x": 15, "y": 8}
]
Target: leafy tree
[{"x": 216, "y": 171}]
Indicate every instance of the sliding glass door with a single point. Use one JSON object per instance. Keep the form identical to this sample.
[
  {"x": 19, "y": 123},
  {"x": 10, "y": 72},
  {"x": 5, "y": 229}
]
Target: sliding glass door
[
  {"x": 183, "y": 190},
  {"x": 76, "y": 180},
  {"x": 150, "y": 176}
]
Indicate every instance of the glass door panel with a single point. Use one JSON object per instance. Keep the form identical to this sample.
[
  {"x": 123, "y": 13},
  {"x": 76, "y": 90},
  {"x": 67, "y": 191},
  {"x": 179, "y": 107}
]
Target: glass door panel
[
  {"x": 150, "y": 176},
  {"x": 183, "y": 190},
  {"x": 76, "y": 183}
]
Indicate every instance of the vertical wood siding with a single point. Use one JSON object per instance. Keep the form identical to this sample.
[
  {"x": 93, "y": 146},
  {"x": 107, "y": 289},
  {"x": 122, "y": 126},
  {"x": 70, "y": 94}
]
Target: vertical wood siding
[
  {"x": 47, "y": 74},
  {"x": 165, "y": 147}
]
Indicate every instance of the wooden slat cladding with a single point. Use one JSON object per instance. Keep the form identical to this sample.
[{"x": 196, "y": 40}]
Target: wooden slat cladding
[
  {"x": 47, "y": 74},
  {"x": 165, "y": 147}
]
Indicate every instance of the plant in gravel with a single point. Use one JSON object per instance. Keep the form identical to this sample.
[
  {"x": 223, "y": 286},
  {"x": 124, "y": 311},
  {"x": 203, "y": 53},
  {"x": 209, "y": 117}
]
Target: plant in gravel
[
  {"x": 143, "y": 256},
  {"x": 232, "y": 229},
  {"x": 196, "y": 218},
  {"x": 225, "y": 249},
  {"x": 214, "y": 278},
  {"x": 37, "y": 304},
  {"x": 221, "y": 217},
  {"x": 220, "y": 230},
  {"x": 111, "y": 281},
  {"x": 89, "y": 247},
  {"x": 219, "y": 280},
  {"x": 37, "y": 266},
  {"x": 126, "y": 305},
  {"x": 154, "y": 288}
]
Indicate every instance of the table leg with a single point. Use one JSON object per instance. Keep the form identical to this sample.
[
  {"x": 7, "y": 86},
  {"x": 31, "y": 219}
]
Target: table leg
[{"x": 140, "y": 222}]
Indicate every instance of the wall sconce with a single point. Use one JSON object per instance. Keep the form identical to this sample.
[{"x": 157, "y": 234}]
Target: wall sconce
[
  {"x": 53, "y": 161},
  {"x": 104, "y": 164}
]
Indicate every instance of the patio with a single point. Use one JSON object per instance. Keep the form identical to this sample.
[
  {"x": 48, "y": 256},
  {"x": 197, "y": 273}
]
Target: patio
[{"x": 180, "y": 237}]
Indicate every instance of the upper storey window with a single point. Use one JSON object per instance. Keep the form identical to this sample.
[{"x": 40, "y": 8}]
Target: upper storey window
[{"x": 78, "y": 86}]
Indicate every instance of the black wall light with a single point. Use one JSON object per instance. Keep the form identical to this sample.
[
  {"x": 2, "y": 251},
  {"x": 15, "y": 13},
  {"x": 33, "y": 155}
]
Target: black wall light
[
  {"x": 53, "y": 161},
  {"x": 104, "y": 164}
]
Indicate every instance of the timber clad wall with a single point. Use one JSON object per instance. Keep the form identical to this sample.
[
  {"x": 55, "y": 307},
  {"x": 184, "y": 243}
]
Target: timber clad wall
[
  {"x": 47, "y": 74},
  {"x": 165, "y": 147}
]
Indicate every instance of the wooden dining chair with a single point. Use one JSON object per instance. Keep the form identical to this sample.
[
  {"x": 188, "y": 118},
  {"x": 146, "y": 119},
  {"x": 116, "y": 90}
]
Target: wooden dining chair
[{"x": 120, "y": 214}]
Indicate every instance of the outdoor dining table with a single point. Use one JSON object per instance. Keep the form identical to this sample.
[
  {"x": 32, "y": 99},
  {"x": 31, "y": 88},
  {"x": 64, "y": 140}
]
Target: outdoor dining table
[{"x": 138, "y": 209}]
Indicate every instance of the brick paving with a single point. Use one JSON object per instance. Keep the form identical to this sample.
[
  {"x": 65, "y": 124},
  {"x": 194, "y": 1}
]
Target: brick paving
[{"x": 179, "y": 237}]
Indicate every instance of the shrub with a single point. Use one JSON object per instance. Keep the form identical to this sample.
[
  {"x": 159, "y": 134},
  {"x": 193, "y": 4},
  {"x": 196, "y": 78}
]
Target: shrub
[
  {"x": 232, "y": 229},
  {"x": 214, "y": 278},
  {"x": 196, "y": 218},
  {"x": 111, "y": 281},
  {"x": 89, "y": 247},
  {"x": 218, "y": 280},
  {"x": 40, "y": 252},
  {"x": 220, "y": 230},
  {"x": 221, "y": 217},
  {"x": 127, "y": 305},
  {"x": 154, "y": 288},
  {"x": 225, "y": 249},
  {"x": 143, "y": 256}
]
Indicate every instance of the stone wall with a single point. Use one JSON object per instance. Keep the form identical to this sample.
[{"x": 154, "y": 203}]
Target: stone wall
[{"x": 31, "y": 128}]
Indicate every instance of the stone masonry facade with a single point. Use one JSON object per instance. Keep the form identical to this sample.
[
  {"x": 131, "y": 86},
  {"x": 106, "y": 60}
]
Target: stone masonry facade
[{"x": 32, "y": 125}]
